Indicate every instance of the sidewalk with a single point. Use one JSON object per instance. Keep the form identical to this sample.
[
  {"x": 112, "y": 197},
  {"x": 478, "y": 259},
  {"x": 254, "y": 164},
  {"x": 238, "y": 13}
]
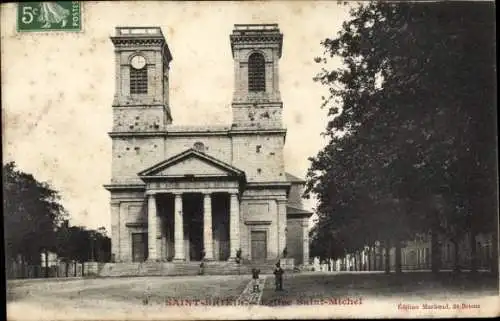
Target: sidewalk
[{"x": 248, "y": 296}]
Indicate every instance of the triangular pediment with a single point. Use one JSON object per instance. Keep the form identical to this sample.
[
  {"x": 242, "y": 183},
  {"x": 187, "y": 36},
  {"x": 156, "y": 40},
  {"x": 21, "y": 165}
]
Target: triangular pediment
[
  {"x": 191, "y": 163},
  {"x": 191, "y": 166}
]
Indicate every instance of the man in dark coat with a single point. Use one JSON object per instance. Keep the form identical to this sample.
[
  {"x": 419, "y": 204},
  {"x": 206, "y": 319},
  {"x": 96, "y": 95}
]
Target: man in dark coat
[{"x": 278, "y": 277}]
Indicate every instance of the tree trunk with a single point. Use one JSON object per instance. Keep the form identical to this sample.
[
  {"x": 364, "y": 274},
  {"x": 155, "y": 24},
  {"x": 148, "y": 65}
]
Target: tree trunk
[
  {"x": 398, "y": 257},
  {"x": 494, "y": 255},
  {"x": 436, "y": 252},
  {"x": 22, "y": 268},
  {"x": 46, "y": 263},
  {"x": 355, "y": 261},
  {"x": 369, "y": 256},
  {"x": 456, "y": 258},
  {"x": 74, "y": 272},
  {"x": 473, "y": 252},
  {"x": 380, "y": 258},
  {"x": 66, "y": 266},
  {"x": 387, "y": 257}
]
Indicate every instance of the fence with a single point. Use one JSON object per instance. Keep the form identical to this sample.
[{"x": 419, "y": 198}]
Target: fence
[{"x": 71, "y": 269}]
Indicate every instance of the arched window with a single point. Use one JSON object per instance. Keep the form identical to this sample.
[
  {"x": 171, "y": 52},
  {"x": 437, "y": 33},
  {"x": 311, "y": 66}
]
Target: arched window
[
  {"x": 256, "y": 72},
  {"x": 138, "y": 81}
]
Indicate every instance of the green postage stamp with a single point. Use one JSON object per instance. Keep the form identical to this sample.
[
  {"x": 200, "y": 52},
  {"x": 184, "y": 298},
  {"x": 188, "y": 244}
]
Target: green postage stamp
[{"x": 49, "y": 16}]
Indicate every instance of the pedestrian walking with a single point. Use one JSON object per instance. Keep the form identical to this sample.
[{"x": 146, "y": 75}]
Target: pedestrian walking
[{"x": 255, "y": 277}]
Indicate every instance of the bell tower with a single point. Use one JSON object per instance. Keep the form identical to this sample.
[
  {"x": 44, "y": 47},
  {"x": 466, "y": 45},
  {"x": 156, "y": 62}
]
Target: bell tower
[
  {"x": 256, "y": 50},
  {"x": 141, "y": 108},
  {"x": 141, "y": 101}
]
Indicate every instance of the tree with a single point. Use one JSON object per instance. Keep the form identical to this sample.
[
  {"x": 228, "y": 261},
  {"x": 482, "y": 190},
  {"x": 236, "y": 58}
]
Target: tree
[
  {"x": 412, "y": 126},
  {"x": 76, "y": 243},
  {"x": 32, "y": 210}
]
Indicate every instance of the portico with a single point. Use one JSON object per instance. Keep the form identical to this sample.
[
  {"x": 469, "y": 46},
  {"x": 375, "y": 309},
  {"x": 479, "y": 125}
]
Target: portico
[
  {"x": 185, "y": 224},
  {"x": 193, "y": 213}
]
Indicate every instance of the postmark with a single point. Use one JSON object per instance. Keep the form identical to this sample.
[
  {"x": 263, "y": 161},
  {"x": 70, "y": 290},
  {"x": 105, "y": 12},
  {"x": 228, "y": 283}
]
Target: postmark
[{"x": 49, "y": 16}]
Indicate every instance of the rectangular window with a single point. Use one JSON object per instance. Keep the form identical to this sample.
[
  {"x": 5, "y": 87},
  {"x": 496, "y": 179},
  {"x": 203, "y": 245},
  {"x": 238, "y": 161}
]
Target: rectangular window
[{"x": 138, "y": 81}]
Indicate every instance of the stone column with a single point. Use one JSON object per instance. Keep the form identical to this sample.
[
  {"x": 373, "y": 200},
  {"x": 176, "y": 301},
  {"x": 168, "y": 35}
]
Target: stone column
[
  {"x": 275, "y": 71},
  {"x": 152, "y": 228},
  {"x": 234, "y": 225},
  {"x": 281, "y": 226},
  {"x": 207, "y": 227},
  {"x": 305, "y": 249},
  {"x": 179, "y": 254},
  {"x": 159, "y": 237},
  {"x": 115, "y": 230}
]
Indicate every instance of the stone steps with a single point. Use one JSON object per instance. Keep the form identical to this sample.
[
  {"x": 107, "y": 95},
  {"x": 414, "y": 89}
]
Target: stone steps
[
  {"x": 151, "y": 269},
  {"x": 221, "y": 268},
  {"x": 183, "y": 268},
  {"x": 120, "y": 269}
]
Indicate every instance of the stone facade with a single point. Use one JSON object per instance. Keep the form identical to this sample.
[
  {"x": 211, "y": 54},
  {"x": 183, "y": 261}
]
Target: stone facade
[{"x": 191, "y": 193}]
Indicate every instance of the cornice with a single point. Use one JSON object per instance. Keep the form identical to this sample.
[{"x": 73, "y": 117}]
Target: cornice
[
  {"x": 136, "y": 224},
  {"x": 137, "y": 134},
  {"x": 258, "y": 222},
  {"x": 256, "y": 38},
  {"x": 136, "y": 41},
  {"x": 247, "y": 131},
  {"x": 140, "y": 105},
  {"x": 256, "y": 103},
  {"x": 275, "y": 184},
  {"x": 125, "y": 187},
  {"x": 181, "y": 133},
  {"x": 229, "y": 132}
]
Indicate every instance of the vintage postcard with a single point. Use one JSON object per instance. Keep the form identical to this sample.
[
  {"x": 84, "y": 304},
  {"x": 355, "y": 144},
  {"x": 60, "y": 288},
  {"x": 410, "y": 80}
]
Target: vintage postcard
[{"x": 177, "y": 160}]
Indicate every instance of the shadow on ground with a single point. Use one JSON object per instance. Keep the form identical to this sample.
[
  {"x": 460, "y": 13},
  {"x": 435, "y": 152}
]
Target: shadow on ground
[
  {"x": 144, "y": 290},
  {"x": 320, "y": 286}
]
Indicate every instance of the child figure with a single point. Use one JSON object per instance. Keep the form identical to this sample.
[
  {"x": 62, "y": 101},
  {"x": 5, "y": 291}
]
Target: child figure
[
  {"x": 278, "y": 277},
  {"x": 255, "y": 277}
]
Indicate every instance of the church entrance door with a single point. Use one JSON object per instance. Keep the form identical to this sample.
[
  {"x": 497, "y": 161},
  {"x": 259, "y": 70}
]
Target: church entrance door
[
  {"x": 259, "y": 245},
  {"x": 193, "y": 224},
  {"x": 139, "y": 246}
]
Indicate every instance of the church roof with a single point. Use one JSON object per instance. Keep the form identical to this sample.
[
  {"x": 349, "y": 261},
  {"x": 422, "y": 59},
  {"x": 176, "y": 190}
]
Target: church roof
[
  {"x": 297, "y": 212},
  {"x": 294, "y": 179},
  {"x": 208, "y": 162}
]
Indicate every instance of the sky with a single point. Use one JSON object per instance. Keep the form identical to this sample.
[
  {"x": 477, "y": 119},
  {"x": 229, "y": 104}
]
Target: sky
[{"x": 57, "y": 87}]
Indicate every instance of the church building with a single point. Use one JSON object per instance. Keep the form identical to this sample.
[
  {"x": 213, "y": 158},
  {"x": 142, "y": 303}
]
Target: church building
[{"x": 193, "y": 193}]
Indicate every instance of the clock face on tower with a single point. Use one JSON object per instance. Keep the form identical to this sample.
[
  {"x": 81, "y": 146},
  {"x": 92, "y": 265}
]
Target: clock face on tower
[{"x": 138, "y": 62}]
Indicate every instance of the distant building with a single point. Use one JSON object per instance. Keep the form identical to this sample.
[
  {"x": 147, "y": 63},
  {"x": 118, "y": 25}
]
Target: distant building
[
  {"x": 49, "y": 259},
  {"x": 183, "y": 193},
  {"x": 416, "y": 254}
]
